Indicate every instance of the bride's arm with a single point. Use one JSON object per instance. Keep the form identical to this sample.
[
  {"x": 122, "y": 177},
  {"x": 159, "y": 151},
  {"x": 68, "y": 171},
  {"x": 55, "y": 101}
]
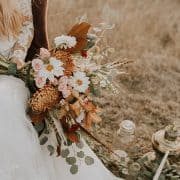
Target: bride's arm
[{"x": 25, "y": 37}]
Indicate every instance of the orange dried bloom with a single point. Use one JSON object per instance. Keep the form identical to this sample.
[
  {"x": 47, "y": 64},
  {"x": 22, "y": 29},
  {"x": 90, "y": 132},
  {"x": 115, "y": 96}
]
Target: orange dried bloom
[
  {"x": 44, "y": 99},
  {"x": 66, "y": 58}
]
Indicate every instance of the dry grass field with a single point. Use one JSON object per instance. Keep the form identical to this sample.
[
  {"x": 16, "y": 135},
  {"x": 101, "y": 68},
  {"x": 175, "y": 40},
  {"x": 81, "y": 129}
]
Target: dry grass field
[{"x": 147, "y": 31}]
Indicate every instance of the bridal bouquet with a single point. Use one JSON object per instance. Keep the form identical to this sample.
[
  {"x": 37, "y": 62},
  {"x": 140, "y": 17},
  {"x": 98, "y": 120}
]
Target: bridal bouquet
[{"x": 63, "y": 82}]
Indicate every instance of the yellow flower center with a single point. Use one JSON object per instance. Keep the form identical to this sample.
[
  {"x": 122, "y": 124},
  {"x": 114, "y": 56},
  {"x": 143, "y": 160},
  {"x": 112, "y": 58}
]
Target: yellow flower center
[
  {"x": 79, "y": 82},
  {"x": 49, "y": 67}
]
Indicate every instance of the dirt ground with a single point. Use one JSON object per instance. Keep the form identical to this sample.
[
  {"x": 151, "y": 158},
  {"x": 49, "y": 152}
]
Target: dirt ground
[{"x": 147, "y": 31}]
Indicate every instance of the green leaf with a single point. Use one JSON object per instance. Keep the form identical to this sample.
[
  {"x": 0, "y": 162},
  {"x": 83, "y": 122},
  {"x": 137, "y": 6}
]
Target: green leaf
[
  {"x": 43, "y": 140},
  {"x": 95, "y": 91},
  {"x": 148, "y": 174},
  {"x": 80, "y": 145},
  {"x": 90, "y": 44},
  {"x": 65, "y": 153},
  {"x": 89, "y": 160},
  {"x": 68, "y": 143},
  {"x": 51, "y": 149},
  {"x": 12, "y": 69},
  {"x": 162, "y": 177},
  {"x": 74, "y": 169},
  {"x": 71, "y": 160},
  {"x": 39, "y": 126},
  {"x": 80, "y": 154}
]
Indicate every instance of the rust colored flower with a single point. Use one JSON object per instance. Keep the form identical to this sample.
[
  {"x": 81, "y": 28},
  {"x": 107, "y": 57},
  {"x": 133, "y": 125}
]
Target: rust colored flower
[
  {"x": 66, "y": 58},
  {"x": 44, "y": 99}
]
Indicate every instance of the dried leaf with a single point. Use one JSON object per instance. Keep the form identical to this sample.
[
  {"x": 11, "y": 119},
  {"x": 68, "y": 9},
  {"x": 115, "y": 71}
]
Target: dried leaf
[
  {"x": 76, "y": 107},
  {"x": 95, "y": 117},
  {"x": 73, "y": 128},
  {"x": 89, "y": 106},
  {"x": 91, "y": 117},
  {"x": 36, "y": 118},
  {"x": 58, "y": 150},
  {"x": 80, "y": 32}
]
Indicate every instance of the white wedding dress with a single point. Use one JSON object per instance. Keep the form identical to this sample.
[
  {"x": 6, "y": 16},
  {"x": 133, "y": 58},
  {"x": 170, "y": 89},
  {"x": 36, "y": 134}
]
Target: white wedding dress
[{"x": 21, "y": 156}]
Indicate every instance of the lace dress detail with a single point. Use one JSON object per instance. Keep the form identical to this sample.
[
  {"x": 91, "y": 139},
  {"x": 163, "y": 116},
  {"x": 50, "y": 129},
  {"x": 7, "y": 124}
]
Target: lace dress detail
[{"x": 19, "y": 50}]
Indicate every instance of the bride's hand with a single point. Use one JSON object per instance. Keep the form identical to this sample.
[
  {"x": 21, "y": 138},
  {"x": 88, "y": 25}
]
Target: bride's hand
[{"x": 20, "y": 63}]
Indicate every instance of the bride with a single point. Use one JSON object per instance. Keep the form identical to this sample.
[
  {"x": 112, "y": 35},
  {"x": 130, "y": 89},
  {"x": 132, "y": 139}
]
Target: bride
[{"x": 21, "y": 156}]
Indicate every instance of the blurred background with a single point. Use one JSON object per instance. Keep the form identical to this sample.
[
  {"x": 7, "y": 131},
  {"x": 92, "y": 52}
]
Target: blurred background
[{"x": 147, "y": 32}]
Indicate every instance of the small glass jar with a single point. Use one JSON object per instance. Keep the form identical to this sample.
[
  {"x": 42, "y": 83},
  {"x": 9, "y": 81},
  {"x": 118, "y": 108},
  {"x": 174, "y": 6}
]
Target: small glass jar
[{"x": 126, "y": 131}]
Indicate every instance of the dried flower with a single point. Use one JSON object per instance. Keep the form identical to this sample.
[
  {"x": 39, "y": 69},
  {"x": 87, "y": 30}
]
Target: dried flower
[
  {"x": 44, "y": 53},
  {"x": 44, "y": 99},
  {"x": 40, "y": 82},
  {"x": 54, "y": 68},
  {"x": 37, "y": 64},
  {"x": 64, "y": 42},
  {"x": 80, "y": 82},
  {"x": 67, "y": 60},
  {"x": 63, "y": 86}
]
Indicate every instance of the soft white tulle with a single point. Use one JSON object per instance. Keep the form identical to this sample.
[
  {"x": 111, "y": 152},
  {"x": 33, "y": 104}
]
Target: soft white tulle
[{"x": 21, "y": 156}]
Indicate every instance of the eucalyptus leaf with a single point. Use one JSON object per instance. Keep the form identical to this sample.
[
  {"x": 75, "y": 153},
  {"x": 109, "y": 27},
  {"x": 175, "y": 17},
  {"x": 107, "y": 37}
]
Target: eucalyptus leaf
[
  {"x": 89, "y": 160},
  {"x": 43, "y": 140},
  {"x": 80, "y": 154},
  {"x": 71, "y": 160},
  {"x": 39, "y": 126},
  {"x": 65, "y": 153},
  {"x": 80, "y": 144},
  {"x": 74, "y": 169},
  {"x": 51, "y": 149}
]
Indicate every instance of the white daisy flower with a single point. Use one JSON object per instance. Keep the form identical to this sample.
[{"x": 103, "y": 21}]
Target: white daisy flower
[
  {"x": 64, "y": 42},
  {"x": 80, "y": 82},
  {"x": 54, "y": 68}
]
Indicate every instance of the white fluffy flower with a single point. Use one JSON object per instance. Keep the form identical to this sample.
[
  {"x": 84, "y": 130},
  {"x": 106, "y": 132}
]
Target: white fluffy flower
[
  {"x": 80, "y": 82},
  {"x": 65, "y": 42},
  {"x": 54, "y": 68}
]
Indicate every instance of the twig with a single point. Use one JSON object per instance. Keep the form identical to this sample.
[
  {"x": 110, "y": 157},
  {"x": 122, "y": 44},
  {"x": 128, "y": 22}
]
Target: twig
[{"x": 160, "y": 168}]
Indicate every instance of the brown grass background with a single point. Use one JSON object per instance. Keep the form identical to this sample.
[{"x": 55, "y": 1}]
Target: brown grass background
[{"x": 147, "y": 31}]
